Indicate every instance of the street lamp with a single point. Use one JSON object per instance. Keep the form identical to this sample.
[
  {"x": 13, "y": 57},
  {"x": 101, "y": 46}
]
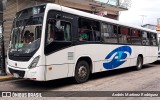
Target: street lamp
[{"x": 2, "y": 7}]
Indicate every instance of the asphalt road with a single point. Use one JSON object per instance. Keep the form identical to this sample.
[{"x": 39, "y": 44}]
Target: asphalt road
[{"x": 127, "y": 79}]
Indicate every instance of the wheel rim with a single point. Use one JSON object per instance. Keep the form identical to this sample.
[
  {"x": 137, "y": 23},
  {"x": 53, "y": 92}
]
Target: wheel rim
[{"x": 82, "y": 72}]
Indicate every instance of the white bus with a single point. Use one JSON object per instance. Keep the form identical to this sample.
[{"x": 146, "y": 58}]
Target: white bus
[{"x": 51, "y": 42}]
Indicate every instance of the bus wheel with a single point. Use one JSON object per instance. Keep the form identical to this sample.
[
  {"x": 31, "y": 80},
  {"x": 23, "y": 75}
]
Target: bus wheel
[
  {"x": 82, "y": 72},
  {"x": 139, "y": 63}
]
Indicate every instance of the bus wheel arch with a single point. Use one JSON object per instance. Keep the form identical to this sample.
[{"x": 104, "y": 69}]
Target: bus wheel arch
[
  {"x": 83, "y": 66},
  {"x": 139, "y": 62}
]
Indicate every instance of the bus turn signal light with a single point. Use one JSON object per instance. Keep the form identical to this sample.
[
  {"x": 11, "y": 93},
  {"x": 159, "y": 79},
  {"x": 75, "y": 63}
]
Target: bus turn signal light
[{"x": 50, "y": 68}]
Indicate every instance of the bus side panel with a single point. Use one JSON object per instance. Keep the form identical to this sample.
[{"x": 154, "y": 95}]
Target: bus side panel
[
  {"x": 149, "y": 54},
  {"x": 111, "y": 62},
  {"x": 98, "y": 54},
  {"x": 59, "y": 63},
  {"x": 137, "y": 50},
  {"x": 152, "y": 54}
]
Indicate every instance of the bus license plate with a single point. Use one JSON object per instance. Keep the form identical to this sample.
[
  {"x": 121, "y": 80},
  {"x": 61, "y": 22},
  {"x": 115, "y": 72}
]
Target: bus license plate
[{"x": 16, "y": 75}]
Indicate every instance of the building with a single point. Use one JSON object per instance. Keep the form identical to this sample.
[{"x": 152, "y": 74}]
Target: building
[
  {"x": 109, "y": 9},
  {"x": 150, "y": 26}
]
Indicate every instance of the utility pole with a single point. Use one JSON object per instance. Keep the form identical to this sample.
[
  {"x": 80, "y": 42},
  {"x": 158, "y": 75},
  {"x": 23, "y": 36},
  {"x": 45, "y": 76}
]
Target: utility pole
[
  {"x": 2, "y": 7},
  {"x": 143, "y": 19}
]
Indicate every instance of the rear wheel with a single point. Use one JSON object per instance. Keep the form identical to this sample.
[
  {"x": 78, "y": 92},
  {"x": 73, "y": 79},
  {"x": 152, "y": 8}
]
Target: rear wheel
[
  {"x": 139, "y": 63},
  {"x": 82, "y": 72}
]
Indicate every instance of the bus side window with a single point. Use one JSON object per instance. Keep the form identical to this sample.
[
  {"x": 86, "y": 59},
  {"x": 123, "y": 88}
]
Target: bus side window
[
  {"x": 124, "y": 35},
  {"x": 88, "y": 30},
  {"x": 136, "y": 36},
  {"x": 109, "y": 33},
  {"x": 153, "y": 39},
  {"x": 145, "y": 38}
]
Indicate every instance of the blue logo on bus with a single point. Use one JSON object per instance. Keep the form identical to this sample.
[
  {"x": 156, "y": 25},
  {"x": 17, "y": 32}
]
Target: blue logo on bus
[{"x": 117, "y": 56}]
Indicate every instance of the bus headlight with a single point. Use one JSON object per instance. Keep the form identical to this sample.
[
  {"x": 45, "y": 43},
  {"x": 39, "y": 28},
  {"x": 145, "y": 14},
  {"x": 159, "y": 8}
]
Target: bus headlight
[{"x": 34, "y": 62}]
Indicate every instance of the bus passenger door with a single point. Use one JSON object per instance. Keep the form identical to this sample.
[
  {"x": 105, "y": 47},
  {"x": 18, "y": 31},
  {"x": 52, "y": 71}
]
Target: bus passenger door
[{"x": 59, "y": 49}]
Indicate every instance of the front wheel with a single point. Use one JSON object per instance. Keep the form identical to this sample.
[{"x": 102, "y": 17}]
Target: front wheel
[
  {"x": 81, "y": 72},
  {"x": 139, "y": 63}
]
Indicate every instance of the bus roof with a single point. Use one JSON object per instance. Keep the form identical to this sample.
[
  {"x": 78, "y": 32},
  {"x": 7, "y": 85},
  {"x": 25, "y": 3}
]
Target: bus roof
[{"x": 92, "y": 16}]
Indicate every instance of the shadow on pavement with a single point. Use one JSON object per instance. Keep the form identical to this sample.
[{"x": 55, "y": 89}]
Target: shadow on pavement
[{"x": 156, "y": 63}]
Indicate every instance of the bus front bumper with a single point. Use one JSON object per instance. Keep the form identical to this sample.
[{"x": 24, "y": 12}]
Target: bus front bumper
[{"x": 25, "y": 73}]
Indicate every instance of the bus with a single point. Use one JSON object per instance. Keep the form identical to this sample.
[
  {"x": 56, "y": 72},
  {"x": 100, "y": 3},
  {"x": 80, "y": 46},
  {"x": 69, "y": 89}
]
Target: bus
[{"x": 50, "y": 41}]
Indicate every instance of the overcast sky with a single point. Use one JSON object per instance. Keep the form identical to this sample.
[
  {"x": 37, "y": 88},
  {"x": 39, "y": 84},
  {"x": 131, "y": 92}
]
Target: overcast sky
[{"x": 147, "y": 9}]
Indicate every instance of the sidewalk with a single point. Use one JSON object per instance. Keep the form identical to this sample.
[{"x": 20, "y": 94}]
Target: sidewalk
[{"x": 5, "y": 78}]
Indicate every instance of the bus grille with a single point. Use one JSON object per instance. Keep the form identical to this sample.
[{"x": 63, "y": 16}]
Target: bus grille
[
  {"x": 20, "y": 73},
  {"x": 19, "y": 58}
]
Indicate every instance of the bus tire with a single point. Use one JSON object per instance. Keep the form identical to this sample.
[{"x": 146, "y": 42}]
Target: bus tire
[
  {"x": 139, "y": 63},
  {"x": 82, "y": 72}
]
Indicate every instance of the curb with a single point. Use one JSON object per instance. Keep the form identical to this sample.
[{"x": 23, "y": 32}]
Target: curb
[{"x": 6, "y": 78}]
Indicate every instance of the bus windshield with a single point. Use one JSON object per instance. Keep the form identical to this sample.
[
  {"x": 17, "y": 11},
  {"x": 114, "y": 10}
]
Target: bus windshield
[{"x": 26, "y": 32}]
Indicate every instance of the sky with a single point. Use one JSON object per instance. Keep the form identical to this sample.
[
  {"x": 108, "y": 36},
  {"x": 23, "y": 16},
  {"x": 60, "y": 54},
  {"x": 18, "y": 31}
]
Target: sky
[{"x": 141, "y": 12}]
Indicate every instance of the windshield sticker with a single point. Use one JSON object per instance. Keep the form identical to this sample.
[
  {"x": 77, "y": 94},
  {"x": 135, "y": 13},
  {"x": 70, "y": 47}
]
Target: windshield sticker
[{"x": 117, "y": 57}]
